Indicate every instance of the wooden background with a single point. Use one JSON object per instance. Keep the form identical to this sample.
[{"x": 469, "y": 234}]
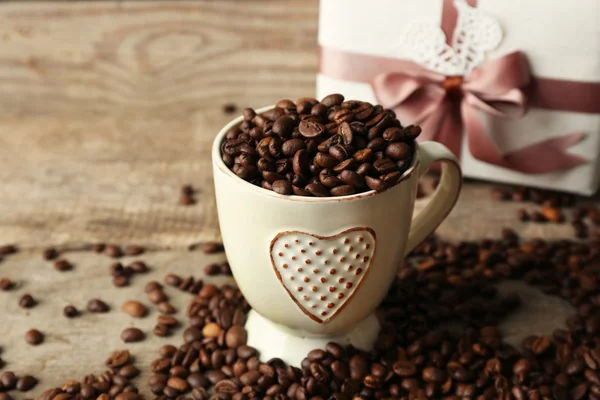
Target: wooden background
[{"x": 106, "y": 109}]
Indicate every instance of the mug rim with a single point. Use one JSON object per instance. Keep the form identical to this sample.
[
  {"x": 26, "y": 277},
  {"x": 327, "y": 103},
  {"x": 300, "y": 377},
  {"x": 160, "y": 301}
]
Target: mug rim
[{"x": 218, "y": 162}]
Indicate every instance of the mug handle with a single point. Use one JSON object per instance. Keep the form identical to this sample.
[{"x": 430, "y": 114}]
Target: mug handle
[{"x": 444, "y": 198}]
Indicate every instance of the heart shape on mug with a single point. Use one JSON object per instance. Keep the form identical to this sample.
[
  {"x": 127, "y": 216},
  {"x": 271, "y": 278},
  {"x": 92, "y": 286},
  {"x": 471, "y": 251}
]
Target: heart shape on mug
[{"x": 322, "y": 273}]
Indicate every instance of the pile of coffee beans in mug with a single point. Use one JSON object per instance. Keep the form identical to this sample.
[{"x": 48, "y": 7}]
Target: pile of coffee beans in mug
[{"x": 329, "y": 148}]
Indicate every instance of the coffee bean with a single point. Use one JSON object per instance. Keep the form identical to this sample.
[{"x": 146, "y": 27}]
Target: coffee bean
[
  {"x": 139, "y": 267},
  {"x": 352, "y": 178},
  {"x": 235, "y": 336},
  {"x": 70, "y": 311},
  {"x": 332, "y": 100},
  {"x": 151, "y": 286},
  {"x": 522, "y": 215},
  {"x": 375, "y": 184},
  {"x": 113, "y": 251},
  {"x": 161, "y": 330},
  {"x": 343, "y": 190},
  {"x": 188, "y": 200},
  {"x": 8, "y": 380},
  {"x": 34, "y": 337},
  {"x": 346, "y": 133},
  {"x": 7, "y": 249},
  {"x": 330, "y": 142},
  {"x": 282, "y": 187},
  {"x": 134, "y": 308},
  {"x": 191, "y": 334},
  {"x": 165, "y": 308},
  {"x": 157, "y": 296},
  {"x": 398, "y": 151},
  {"x": 118, "y": 359},
  {"x": 500, "y": 194},
  {"x": 26, "y": 383},
  {"x": 170, "y": 279},
  {"x": 317, "y": 190},
  {"x": 130, "y": 335},
  {"x": 27, "y": 301},
  {"x": 211, "y": 247},
  {"x": 404, "y": 369},
  {"x": 292, "y": 146},
  {"x": 187, "y": 190},
  {"x": 134, "y": 250},
  {"x": 121, "y": 281},
  {"x": 6, "y": 284},
  {"x": 552, "y": 214},
  {"x": 50, "y": 254},
  {"x": 97, "y": 306},
  {"x": 377, "y": 144},
  {"x": 62, "y": 265}
]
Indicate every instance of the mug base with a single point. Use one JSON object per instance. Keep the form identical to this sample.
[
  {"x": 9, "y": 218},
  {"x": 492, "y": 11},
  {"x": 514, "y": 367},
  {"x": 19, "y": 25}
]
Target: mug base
[{"x": 273, "y": 342}]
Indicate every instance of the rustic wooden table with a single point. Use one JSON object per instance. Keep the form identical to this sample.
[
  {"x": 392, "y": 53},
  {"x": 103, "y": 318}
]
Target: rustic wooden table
[{"x": 106, "y": 109}]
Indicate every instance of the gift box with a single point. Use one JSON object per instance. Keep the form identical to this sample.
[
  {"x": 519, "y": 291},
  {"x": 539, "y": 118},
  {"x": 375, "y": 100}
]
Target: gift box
[{"x": 511, "y": 87}]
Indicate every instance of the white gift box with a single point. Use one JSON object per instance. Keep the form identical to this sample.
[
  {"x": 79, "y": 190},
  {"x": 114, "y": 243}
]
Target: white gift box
[{"x": 560, "y": 40}]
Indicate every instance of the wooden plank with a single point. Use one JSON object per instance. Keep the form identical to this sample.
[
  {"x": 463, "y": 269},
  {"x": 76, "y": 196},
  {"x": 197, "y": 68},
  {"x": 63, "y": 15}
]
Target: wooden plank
[{"x": 107, "y": 108}]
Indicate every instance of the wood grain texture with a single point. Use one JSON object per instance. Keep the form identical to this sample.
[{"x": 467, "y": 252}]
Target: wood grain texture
[{"x": 107, "y": 108}]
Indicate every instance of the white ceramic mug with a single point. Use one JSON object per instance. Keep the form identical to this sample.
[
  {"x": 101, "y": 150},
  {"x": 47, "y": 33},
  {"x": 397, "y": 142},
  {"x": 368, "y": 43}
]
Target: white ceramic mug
[{"x": 316, "y": 268}]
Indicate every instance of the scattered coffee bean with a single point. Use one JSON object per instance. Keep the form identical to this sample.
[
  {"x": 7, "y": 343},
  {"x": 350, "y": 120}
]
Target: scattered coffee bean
[
  {"x": 229, "y": 108},
  {"x": 139, "y": 267},
  {"x": 98, "y": 247},
  {"x": 151, "y": 286},
  {"x": 8, "y": 380},
  {"x": 62, "y": 265},
  {"x": 133, "y": 250},
  {"x": 552, "y": 214},
  {"x": 6, "y": 284},
  {"x": 50, "y": 254},
  {"x": 27, "y": 301},
  {"x": 70, "y": 311},
  {"x": 187, "y": 200},
  {"x": 173, "y": 280},
  {"x": 161, "y": 330},
  {"x": 500, "y": 194},
  {"x": 134, "y": 308},
  {"x": 26, "y": 383},
  {"x": 522, "y": 215},
  {"x": 34, "y": 337},
  {"x": 212, "y": 269},
  {"x": 537, "y": 216},
  {"x": 165, "y": 308},
  {"x": 130, "y": 335},
  {"x": 113, "y": 251},
  {"x": 187, "y": 190},
  {"x": 235, "y": 336},
  {"x": 167, "y": 320},
  {"x": 97, "y": 306},
  {"x": 7, "y": 249},
  {"x": 211, "y": 247},
  {"x": 157, "y": 296},
  {"x": 118, "y": 359},
  {"x": 121, "y": 281}
]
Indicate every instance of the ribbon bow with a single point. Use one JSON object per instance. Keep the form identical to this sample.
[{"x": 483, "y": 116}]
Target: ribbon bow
[{"x": 447, "y": 106}]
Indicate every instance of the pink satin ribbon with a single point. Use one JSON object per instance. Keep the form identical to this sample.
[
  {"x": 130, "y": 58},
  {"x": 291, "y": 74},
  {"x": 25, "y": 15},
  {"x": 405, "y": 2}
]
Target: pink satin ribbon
[
  {"x": 445, "y": 108},
  {"x": 448, "y": 106}
]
